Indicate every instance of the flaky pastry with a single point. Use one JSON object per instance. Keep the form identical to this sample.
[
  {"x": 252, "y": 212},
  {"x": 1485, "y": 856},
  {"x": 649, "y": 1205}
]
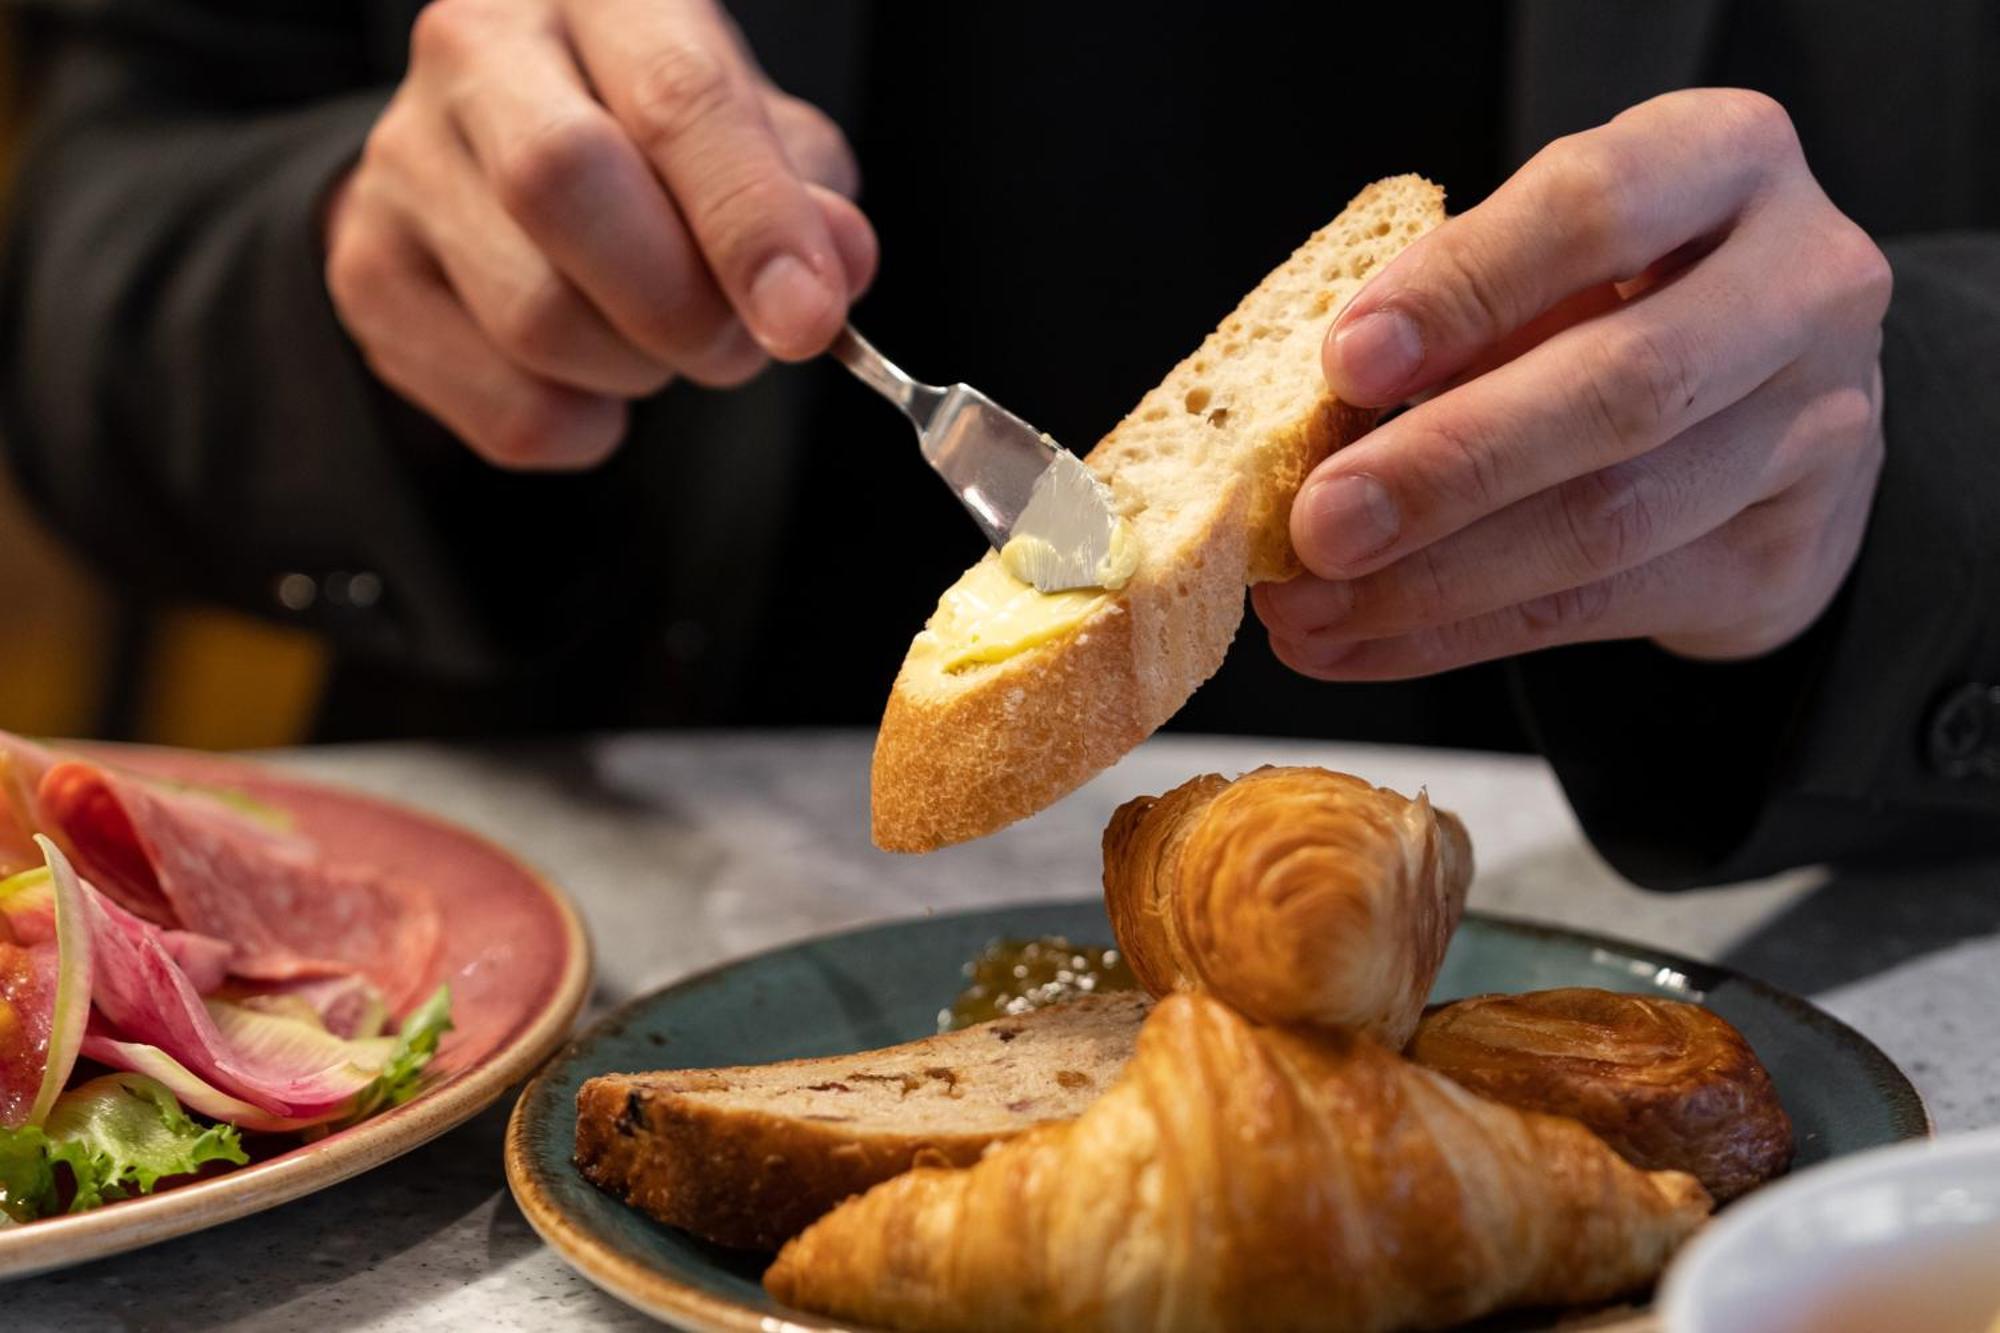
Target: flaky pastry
[
  {"x": 1295, "y": 895},
  {"x": 1243, "y": 1177},
  {"x": 1666, "y": 1084}
]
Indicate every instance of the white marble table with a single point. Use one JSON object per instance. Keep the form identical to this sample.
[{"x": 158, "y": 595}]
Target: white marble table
[{"x": 686, "y": 850}]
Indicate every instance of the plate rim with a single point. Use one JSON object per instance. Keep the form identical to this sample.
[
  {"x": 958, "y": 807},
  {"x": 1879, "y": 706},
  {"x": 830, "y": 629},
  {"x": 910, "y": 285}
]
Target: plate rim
[
  {"x": 52, "y": 1243},
  {"x": 663, "y": 1297}
]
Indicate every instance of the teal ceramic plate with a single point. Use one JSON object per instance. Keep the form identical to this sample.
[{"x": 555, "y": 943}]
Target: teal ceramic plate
[{"x": 874, "y": 987}]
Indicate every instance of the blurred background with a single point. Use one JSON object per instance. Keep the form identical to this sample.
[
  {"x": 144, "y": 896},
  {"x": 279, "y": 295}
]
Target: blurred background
[
  {"x": 88, "y": 655},
  {"x": 76, "y": 660}
]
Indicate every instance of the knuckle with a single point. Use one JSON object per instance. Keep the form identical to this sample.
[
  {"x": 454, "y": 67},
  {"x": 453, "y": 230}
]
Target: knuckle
[
  {"x": 740, "y": 219},
  {"x": 1590, "y": 193},
  {"x": 673, "y": 330},
  {"x": 358, "y": 268},
  {"x": 538, "y": 325},
  {"x": 557, "y": 162},
  {"x": 1423, "y": 590},
  {"x": 1846, "y": 415},
  {"x": 1444, "y": 647},
  {"x": 818, "y": 150},
  {"x": 1278, "y": 607},
  {"x": 1567, "y": 613},
  {"x": 679, "y": 316},
  {"x": 1642, "y": 378},
  {"x": 392, "y": 140},
  {"x": 542, "y": 424},
  {"x": 740, "y": 208},
  {"x": 679, "y": 88},
  {"x": 417, "y": 385},
  {"x": 1608, "y": 521},
  {"x": 517, "y": 436},
  {"x": 730, "y": 368},
  {"x": 1757, "y": 122},
  {"x": 649, "y": 381},
  {"x": 1772, "y": 550},
  {"x": 724, "y": 356},
  {"x": 1465, "y": 469},
  {"x": 444, "y": 31},
  {"x": 1861, "y": 277},
  {"x": 1467, "y": 299}
]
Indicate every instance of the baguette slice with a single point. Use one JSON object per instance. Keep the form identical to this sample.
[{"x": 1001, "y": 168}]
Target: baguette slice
[
  {"x": 1204, "y": 469},
  {"x": 750, "y": 1156}
]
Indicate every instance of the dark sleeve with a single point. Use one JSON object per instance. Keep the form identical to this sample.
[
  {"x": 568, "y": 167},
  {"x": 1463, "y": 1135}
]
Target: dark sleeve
[
  {"x": 1875, "y": 737},
  {"x": 176, "y": 394}
]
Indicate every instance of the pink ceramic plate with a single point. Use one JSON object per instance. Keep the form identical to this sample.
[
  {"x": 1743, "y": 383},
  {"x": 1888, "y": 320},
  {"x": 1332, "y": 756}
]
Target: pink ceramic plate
[{"x": 513, "y": 950}]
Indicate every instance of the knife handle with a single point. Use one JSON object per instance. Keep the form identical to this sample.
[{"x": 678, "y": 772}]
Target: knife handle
[{"x": 919, "y": 401}]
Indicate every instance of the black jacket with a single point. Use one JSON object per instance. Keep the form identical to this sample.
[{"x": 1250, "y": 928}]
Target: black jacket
[{"x": 1068, "y": 196}]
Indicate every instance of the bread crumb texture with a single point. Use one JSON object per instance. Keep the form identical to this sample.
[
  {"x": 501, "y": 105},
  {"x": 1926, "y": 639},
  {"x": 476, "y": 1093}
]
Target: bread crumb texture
[{"x": 1204, "y": 468}]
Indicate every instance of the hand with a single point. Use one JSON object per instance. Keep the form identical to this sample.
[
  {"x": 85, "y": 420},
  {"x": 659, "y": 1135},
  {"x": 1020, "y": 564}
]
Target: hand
[
  {"x": 1657, "y": 412},
  {"x": 569, "y": 202}
]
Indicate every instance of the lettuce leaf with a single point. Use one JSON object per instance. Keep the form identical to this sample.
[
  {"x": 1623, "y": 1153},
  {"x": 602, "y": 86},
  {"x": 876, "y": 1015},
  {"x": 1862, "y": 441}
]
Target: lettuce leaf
[
  {"x": 119, "y": 1135},
  {"x": 133, "y": 1134},
  {"x": 416, "y": 1043},
  {"x": 27, "y": 1174}
]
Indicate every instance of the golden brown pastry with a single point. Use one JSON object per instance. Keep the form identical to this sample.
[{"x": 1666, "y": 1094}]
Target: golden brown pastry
[
  {"x": 1669, "y": 1085},
  {"x": 1240, "y": 1176},
  {"x": 1295, "y": 895}
]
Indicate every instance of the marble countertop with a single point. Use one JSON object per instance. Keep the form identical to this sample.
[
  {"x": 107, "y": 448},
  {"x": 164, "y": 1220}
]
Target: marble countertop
[{"x": 687, "y": 850}]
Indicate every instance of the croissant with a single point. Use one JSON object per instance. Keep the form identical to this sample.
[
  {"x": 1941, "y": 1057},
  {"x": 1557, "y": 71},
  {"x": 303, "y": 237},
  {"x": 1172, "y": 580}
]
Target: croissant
[
  {"x": 1294, "y": 895},
  {"x": 1666, "y": 1084},
  {"x": 1239, "y": 1176}
]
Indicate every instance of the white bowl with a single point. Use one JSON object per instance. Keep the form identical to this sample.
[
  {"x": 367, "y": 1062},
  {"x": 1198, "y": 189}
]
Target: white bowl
[{"x": 1904, "y": 1239}]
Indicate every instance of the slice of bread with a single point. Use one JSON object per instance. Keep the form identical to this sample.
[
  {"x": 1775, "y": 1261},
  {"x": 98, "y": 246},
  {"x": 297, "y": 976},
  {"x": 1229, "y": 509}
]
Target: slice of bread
[
  {"x": 750, "y": 1156},
  {"x": 1204, "y": 469}
]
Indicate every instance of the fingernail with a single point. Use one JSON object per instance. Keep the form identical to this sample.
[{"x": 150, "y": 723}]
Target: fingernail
[
  {"x": 1350, "y": 518},
  {"x": 787, "y": 299},
  {"x": 1376, "y": 356}
]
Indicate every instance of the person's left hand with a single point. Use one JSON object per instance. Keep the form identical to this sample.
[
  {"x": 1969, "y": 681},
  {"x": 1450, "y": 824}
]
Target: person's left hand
[{"x": 1660, "y": 346}]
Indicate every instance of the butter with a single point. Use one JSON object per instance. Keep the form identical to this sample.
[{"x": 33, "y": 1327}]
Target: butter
[
  {"x": 1028, "y": 557},
  {"x": 989, "y": 615}
]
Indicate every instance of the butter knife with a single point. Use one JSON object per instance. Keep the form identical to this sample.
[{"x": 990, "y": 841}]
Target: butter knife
[{"x": 1015, "y": 481}]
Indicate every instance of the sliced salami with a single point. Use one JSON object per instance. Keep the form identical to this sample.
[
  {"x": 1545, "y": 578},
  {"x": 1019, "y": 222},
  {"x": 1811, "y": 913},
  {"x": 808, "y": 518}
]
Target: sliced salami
[
  {"x": 180, "y": 859},
  {"x": 143, "y": 998}
]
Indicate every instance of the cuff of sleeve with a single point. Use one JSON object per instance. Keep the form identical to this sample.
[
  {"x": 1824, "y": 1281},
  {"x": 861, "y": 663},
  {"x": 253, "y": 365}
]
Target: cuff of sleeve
[{"x": 1666, "y": 761}]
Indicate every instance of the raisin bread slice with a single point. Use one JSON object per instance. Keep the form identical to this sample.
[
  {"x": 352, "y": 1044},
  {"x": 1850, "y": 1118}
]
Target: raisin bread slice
[{"x": 749, "y": 1156}]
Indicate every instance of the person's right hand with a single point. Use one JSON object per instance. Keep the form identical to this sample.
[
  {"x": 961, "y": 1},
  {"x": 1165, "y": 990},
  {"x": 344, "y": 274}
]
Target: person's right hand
[{"x": 568, "y": 203}]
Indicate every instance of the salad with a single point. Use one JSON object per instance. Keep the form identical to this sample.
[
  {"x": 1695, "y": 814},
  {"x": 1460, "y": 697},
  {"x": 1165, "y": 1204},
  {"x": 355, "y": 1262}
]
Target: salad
[{"x": 181, "y": 986}]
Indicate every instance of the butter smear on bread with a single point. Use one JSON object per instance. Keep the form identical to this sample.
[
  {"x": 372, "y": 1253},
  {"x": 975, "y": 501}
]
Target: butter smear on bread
[{"x": 989, "y": 615}]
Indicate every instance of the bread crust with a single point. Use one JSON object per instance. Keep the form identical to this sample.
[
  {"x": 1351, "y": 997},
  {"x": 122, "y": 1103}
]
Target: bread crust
[
  {"x": 950, "y": 768},
  {"x": 960, "y": 756},
  {"x": 751, "y": 1177},
  {"x": 746, "y": 1179}
]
